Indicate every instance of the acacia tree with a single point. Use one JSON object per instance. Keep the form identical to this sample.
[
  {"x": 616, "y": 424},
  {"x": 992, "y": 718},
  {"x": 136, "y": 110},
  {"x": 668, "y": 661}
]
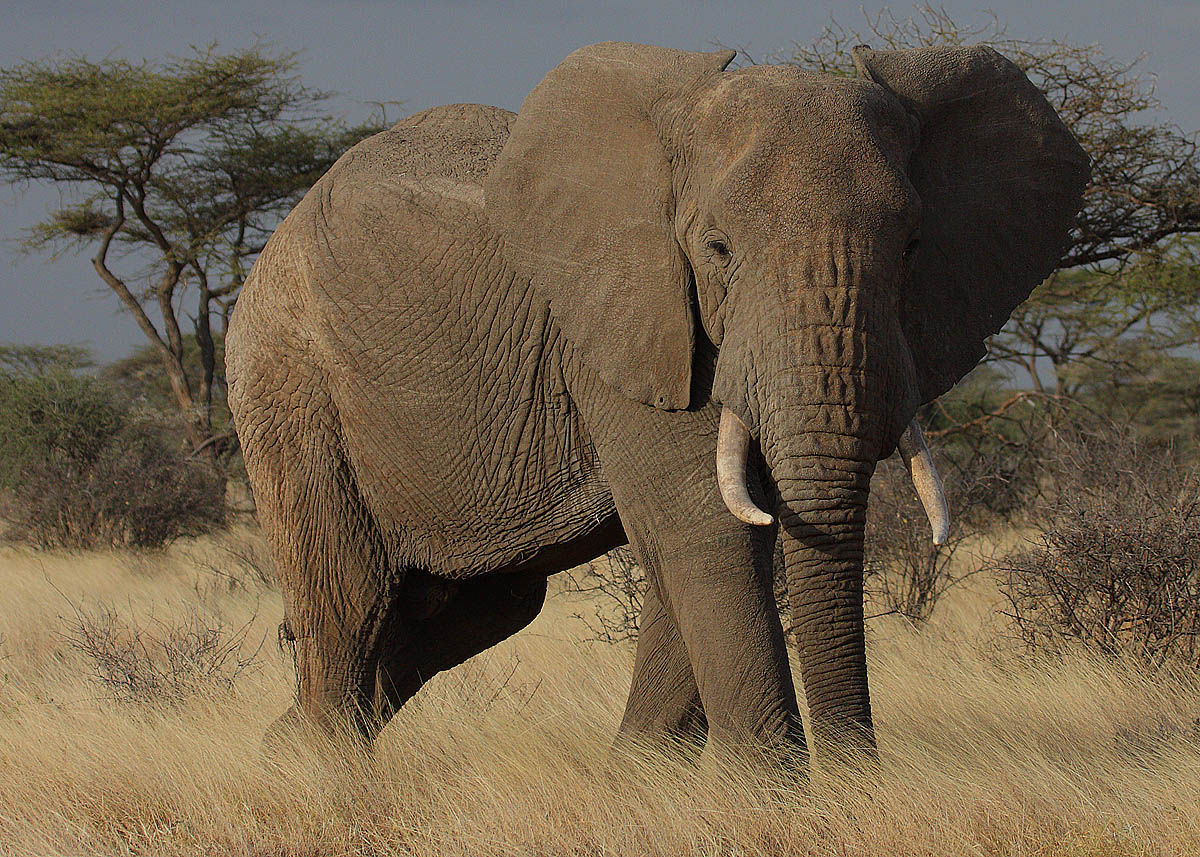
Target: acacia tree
[
  {"x": 177, "y": 172},
  {"x": 1130, "y": 270}
]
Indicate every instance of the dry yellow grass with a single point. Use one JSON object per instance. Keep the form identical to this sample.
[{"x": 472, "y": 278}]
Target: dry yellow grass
[{"x": 981, "y": 753}]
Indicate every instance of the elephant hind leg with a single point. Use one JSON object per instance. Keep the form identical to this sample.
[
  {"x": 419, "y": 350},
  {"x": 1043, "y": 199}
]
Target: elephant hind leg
[
  {"x": 483, "y": 612},
  {"x": 338, "y": 582}
]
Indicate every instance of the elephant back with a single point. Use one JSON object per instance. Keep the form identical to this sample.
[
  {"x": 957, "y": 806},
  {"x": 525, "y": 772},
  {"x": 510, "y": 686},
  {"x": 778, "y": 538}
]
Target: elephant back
[{"x": 456, "y": 142}]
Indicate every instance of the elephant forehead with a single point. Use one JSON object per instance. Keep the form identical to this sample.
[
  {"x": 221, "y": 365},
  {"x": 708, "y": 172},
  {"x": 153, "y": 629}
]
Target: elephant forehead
[
  {"x": 783, "y": 149},
  {"x": 781, "y": 105},
  {"x": 781, "y": 191}
]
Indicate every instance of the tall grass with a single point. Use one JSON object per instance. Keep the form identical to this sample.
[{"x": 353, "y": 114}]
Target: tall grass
[{"x": 982, "y": 752}]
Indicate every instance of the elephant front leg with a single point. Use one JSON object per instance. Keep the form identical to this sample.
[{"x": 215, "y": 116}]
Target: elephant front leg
[
  {"x": 718, "y": 588},
  {"x": 713, "y": 576},
  {"x": 664, "y": 704}
]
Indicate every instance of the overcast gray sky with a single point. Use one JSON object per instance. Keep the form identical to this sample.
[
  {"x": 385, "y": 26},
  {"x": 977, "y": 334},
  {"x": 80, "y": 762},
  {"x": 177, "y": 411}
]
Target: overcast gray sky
[{"x": 427, "y": 53}]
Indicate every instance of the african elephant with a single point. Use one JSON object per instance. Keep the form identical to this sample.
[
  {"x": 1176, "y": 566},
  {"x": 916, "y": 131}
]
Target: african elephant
[{"x": 661, "y": 299}]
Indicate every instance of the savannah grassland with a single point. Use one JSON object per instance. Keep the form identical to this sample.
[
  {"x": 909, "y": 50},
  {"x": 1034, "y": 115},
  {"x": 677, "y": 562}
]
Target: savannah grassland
[{"x": 982, "y": 751}]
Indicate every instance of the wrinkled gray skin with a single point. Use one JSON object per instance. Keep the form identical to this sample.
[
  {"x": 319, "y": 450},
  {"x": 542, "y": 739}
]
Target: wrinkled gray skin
[{"x": 487, "y": 347}]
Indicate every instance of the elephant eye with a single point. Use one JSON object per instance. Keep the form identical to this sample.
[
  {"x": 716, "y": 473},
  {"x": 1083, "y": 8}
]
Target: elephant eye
[
  {"x": 719, "y": 249},
  {"x": 911, "y": 250}
]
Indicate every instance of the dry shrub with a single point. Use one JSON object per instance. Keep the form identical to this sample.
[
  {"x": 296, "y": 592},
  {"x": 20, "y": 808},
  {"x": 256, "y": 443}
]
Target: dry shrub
[
  {"x": 992, "y": 480},
  {"x": 906, "y": 573},
  {"x": 1116, "y": 566},
  {"x": 998, "y": 464},
  {"x": 84, "y": 468},
  {"x": 240, "y": 561},
  {"x": 993, "y": 455},
  {"x": 160, "y": 661},
  {"x": 140, "y": 491},
  {"x": 616, "y": 585}
]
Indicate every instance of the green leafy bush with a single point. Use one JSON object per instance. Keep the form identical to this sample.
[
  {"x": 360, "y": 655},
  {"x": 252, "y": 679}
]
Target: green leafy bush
[{"x": 81, "y": 466}]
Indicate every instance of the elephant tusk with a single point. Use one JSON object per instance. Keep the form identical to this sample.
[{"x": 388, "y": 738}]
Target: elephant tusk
[
  {"x": 925, "y": 479},
  {"x": 733, "y": 445}
]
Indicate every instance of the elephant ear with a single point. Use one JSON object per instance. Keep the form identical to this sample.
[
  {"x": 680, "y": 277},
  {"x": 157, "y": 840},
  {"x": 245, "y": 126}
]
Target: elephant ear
[
  {"x": 582, "y": 193},
  {"x": 1000, "y": 179}
]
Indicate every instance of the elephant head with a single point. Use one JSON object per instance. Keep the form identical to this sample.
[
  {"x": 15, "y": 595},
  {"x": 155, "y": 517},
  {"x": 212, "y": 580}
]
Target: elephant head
[{"x": 847, "y": 244}]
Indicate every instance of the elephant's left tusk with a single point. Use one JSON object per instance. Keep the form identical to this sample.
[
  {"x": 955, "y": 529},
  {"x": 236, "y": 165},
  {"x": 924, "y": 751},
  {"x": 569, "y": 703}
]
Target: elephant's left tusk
[
  {"x": 926, "y": 480},
  {"x": 733, "y": 446}
]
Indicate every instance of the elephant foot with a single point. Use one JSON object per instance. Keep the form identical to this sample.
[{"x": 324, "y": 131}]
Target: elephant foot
[
  {"x": 287, "y": 736},
  {"x": 294, "y": 732},
  {"x": 783, "y": 753},
  {"x": 683, "y": 747},
  {"x": 770, "y": 757}
]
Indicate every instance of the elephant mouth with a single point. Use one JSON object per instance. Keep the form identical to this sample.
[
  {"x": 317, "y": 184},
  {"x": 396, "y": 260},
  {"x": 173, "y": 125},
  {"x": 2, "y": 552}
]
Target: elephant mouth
[{"x": 733, "y": 445}]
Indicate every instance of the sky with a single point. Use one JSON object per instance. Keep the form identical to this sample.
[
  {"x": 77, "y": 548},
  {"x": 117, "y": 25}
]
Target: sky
[{"x": 428, "y": 53}]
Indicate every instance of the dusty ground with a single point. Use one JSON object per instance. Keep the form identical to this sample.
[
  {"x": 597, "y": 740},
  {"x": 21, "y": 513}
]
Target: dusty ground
[{"x": 982, "y": 753}]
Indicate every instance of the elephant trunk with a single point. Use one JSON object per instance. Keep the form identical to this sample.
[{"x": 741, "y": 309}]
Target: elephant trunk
[
  {"x": 829, "y": 394},
  {"x": 822, "y": 505},
  {"x": 822, "y": 511}
]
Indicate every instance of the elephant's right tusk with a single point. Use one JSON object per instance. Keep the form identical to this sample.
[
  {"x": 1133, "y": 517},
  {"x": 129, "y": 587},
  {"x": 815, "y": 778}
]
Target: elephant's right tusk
[
  {"x": 733, "y": 446},
  {"x": 925, "y": 479}
]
